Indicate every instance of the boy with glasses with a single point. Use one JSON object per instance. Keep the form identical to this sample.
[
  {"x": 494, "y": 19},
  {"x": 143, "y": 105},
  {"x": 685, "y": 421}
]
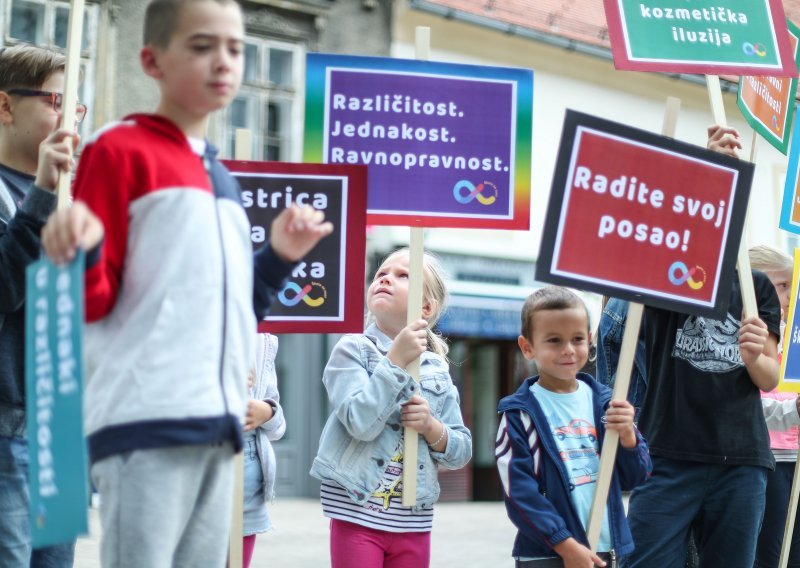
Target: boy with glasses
[{"x": 32, "y": 152}]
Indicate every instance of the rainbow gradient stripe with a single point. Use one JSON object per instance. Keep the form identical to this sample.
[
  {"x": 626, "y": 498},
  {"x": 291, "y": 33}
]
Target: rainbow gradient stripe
[{"x": 317, "y": 77}]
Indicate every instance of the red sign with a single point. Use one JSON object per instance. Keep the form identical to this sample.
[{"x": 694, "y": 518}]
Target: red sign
[
  {"x": 325, "y": 292},
  {"x": 643, "y": 216}
]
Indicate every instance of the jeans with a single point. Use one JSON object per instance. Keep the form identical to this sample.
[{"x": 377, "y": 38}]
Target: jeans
[
  {"x": 15, "y": 538},
  {"x": 723, "y": 504},
  {"x": 770, "y": 540}
]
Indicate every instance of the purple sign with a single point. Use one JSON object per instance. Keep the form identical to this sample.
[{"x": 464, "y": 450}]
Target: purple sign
[{"x": 442, "y": 130}]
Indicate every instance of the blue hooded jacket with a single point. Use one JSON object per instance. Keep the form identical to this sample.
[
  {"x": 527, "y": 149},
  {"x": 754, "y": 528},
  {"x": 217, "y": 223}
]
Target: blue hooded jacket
[{"x": 536, "y": 486}]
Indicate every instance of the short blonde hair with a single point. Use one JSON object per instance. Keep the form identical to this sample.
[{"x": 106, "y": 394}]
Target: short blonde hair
[
  {"x": 434, "y": 291},
  {"x": 28, "y": 66},
  {"x": 763, "y": 258}
]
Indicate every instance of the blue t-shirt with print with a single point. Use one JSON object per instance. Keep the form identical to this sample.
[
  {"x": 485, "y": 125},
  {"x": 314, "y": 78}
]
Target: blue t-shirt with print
[{"x": 571, "y": 420}]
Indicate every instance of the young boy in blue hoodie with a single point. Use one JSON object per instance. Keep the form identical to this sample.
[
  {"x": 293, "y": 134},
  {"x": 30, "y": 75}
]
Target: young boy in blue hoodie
[{"x": 549, "y": 440}]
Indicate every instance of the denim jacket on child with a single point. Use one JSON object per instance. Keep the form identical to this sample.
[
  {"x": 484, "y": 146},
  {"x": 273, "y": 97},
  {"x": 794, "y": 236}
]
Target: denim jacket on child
[
  {"x": 364, "y": 430},
  {"x": 609, "y": 345}
]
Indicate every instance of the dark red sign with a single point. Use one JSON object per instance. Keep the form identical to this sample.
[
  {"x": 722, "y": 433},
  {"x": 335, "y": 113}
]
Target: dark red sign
[
  {"x": 645, "y": 217},
  {"x": 325, "y": 292}
]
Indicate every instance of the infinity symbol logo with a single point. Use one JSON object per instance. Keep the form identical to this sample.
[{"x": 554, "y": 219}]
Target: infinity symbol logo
[
  {"x": 474, "y": 192},
  {"x": 754, "y": 49},
  {"x": 679, "y": 273},
  {"x": 302, "y": 294}
]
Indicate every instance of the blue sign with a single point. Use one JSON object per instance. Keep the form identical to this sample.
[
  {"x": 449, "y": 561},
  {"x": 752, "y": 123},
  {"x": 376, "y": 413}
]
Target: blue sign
[
  {"x": 57, "y": 474},
  {"x": 790, "y": 210},
  {"x": 473, "y": 316}
]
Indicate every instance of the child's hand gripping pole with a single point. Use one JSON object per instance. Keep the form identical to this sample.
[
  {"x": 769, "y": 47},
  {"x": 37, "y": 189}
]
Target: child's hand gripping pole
[
  {"x": 69, "y": 98},
  {"x": 608, "y": 453}
]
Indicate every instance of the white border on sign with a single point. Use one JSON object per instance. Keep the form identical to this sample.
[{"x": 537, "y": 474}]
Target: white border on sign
[
  {"x": 563, "y": 214},
  {"x": 342, "y": 256},
  {"x": 631, "y": 57},
  {"x": 512, "y": 148}
]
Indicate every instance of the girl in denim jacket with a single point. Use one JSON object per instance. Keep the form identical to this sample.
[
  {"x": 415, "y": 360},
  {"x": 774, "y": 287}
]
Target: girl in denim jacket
[
  {"x": 360, "y": 458},
  {"x": 264, "y": 424}
]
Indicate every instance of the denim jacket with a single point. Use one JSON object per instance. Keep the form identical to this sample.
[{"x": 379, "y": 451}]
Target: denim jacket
[
  {"x": 609, "y": 345},
  {"x": 364, "y": 430}
]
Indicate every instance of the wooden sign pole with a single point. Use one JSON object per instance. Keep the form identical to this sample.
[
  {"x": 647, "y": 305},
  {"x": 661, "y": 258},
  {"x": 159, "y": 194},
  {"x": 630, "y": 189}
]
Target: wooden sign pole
[
  {"x": 69, "y": 98},
  {"x": 630, "y": 337},
  {"x": 243, "y": 151},
  {"x": 749, "y": 306},
  {"x": 415, "y": 276}
]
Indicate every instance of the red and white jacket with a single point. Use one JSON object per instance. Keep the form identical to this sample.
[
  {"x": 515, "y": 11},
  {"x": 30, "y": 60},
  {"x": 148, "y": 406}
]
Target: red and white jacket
[{"x": 170, "y": 301}]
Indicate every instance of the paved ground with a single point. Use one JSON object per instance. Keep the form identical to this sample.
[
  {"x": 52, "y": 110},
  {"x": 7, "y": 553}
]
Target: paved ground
[{"x": 465, "y": 535}]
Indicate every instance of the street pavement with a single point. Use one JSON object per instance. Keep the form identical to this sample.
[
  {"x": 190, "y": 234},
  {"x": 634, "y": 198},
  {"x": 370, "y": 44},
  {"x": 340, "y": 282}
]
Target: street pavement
[{"x": 465, "y": 535}]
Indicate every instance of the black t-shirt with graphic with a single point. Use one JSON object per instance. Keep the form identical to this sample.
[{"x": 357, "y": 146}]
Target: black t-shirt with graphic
[{"x": 701, "y": 404}]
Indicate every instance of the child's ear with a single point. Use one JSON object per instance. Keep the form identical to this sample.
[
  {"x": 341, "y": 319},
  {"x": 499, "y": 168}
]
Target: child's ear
[
  {"x": 428, "y": 308},
  {"x": 6, "y": 116},
  {"x": 526, "y": 348},
  {"x": 148, "y": 59}
]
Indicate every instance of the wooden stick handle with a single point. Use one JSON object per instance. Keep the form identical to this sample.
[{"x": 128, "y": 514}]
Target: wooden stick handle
[
  {"x": 69, "y": 98},
  {"x": 243, "y": 150}
]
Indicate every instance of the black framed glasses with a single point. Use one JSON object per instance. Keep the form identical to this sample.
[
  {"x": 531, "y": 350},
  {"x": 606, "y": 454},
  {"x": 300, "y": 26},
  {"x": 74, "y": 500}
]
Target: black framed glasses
[{"x": 55, "y": 100}]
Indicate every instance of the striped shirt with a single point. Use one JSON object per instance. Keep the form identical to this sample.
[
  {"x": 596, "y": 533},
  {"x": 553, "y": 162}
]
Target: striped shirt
[{"x": 384, "y": 510}]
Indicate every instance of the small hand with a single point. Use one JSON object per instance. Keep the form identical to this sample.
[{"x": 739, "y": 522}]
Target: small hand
[
  {"x": 296, "y": 231},
  {"x": 410, "y": 343},
  {"x": 619, "y": 417},
  {"x": 753, "y": 336},
  {"x": 55, "y": 157},
  {"x": 416, "y": 414},
  {"x": 723, "y": 139},
  {"x": 68, "y": 229},
  {"x": 575, "y": 555},
  {"x": 258, "y": 412}
]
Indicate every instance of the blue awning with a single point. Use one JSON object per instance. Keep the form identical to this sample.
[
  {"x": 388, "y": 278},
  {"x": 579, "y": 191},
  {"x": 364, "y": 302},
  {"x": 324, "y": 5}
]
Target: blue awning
[{"x": 481, "y": 316}]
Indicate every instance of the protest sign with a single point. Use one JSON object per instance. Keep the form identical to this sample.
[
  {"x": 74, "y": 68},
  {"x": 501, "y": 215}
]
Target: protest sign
[
  {"x": 57, "y": 471},
  {"x": 790, "y": 208},
  {"x": 643, "y": 217},
  {"x": 325, "y": 293},
  {"x": 739, "y": 37},
  {"x": 790, "y": 360},
  {"x": 767, "y": 103},
  {"x": 447, "y": 145}
]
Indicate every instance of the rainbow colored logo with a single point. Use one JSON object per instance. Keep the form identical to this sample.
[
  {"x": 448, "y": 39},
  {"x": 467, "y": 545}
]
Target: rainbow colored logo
[
  {"x": 474, "y": 192},
  {"x": 751, "y": 49},
  {"x": 302, "y": 294},
  {"x": 679, "y": 274}
]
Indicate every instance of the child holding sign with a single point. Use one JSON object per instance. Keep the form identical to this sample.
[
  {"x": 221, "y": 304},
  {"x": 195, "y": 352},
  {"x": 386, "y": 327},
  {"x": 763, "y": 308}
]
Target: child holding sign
[
  {"x": 360, "y": 458},
  {"x": 264, "y": 424},
  {"x": 781, "y": 413},
  {"x": 703, "y": 419},
  {"x": 549, "y": 440},
  {"x": 173, "y": 292}
]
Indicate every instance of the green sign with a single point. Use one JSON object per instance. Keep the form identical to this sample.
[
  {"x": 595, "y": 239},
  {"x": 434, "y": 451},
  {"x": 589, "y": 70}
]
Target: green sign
[
  {"x": 767, "y": 103},
  {"x": 741, "y": 37},
  {"x": 57, "y": 472}
]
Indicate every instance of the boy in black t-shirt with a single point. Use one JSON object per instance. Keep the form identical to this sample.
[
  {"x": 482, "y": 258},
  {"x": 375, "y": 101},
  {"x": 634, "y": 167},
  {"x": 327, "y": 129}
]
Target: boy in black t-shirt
[{"x": 703, "y": 421}]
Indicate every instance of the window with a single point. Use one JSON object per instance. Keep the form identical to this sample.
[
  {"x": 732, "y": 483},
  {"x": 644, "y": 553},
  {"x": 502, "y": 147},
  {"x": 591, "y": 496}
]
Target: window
[
  {"x": 268, "y": 104},
  {"x": 45, "y": 23}
]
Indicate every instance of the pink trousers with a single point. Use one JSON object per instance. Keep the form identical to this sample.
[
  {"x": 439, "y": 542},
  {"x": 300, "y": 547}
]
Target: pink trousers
[{"x": 354, "y": 546}]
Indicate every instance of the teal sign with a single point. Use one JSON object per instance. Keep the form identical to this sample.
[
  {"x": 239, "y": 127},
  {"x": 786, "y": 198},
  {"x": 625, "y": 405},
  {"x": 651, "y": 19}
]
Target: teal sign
[
  {"x": 738, "y": 37},
  {"x": 57, "y": 472}
]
